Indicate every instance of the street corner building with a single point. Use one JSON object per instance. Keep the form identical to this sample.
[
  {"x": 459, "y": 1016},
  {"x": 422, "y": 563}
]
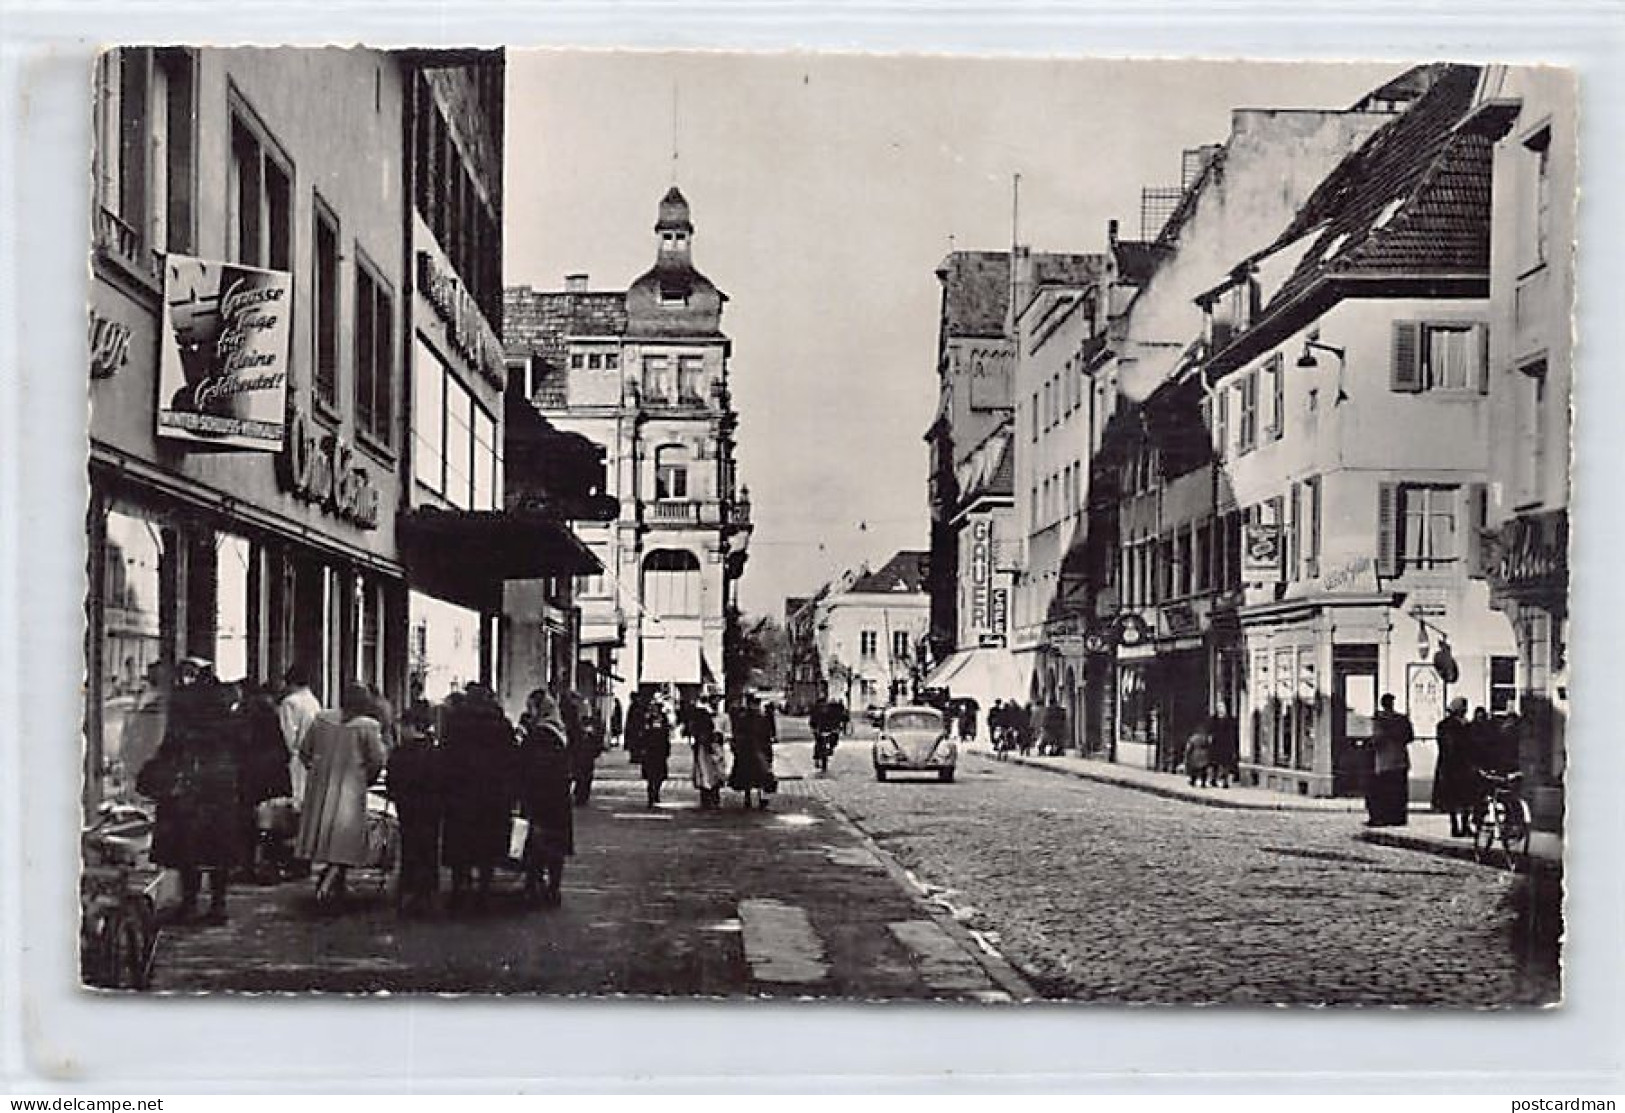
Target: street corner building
[
  {"x": 643, "y": 373},
  {"x": 299, "y": 450}
]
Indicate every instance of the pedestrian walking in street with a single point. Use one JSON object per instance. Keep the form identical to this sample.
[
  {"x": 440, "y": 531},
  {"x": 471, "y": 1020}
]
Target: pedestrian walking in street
[
  {"x": 654, "y": 745},
  {"x": 343, "y": 753},
  {"x": 637, "y": 713},
  {"x": 1226, "y": 742},
  {"x": 1198, "y": 756},
  {"x": 1455, "y": 774},
  {"x": 296, "y": 710},
  {"x": 414, "y": 788},
  {"x": 710, "y": 762},
  {"x": 584, "y": 743},
  {"x": 477, "y": 760},
  {"x": 616, "y": 722},
  {"x": 195, "y": 779},
  {"x": 753, "y": 755},
  {"x": 264, "y": 777},
  {"x": 545, "y": 798},
  {"x": 1388, "y": 793}
]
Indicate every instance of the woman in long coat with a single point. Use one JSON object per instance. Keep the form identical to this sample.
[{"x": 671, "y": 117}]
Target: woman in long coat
[
  {"x": 1455, "y": 776},
  {"x": 477, "y": 761},
  {"x": 710, "y": 772},
  {"x": 655, "y": 748},
  {"x": 196, "y": 780},
  {"x": 753, "y": 755},
  {"x": 545, "y": 798},
  {"x": 343, "y": 752}
]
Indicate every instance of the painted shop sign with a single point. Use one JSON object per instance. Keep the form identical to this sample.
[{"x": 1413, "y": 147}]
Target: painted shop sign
[
  {"x": 998, "y": 614},
  {"x": 223, "y": 354},
  {"x": 321, "y": 468},
  {"x": 109, "y": 346},
  {"x": 1529, "y": 551},
  {"x": 470, "y": 332},
  {"x": 1179, "y": 619}
]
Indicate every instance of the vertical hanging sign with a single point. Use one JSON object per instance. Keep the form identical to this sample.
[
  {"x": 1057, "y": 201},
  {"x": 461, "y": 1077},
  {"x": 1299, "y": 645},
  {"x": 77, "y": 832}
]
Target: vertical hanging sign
[{"x": 223, "y": 355}]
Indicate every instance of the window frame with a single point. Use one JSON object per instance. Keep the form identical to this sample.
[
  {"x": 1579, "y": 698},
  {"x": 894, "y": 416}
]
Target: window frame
[
  {"x": 243, "y": 120},
  {"x": 326, "y": 401},
  {"x": 366, "y": 418}
]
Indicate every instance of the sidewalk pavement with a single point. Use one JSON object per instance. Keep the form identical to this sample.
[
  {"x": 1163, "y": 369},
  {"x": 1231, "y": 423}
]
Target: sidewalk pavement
[
  {"x": 1426, "y": 831},
  {"x": 1174, "y": 785},
  {"x": 1430, "y": 832}
]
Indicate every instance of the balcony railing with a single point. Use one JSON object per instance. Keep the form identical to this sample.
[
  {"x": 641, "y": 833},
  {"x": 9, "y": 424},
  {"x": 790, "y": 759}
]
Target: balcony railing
[
  {"x": 120, "y": 241},
  {"x": 697, "y": 512}
]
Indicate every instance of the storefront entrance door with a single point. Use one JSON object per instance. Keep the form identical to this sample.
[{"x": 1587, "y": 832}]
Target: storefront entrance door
[{"x": 1354, "y": 702}]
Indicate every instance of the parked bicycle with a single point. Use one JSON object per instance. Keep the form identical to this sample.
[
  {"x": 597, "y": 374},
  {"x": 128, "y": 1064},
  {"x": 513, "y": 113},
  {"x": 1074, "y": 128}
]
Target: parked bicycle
[
  {"x": 118, "y": 925},
  {"x": 1501, "y": 822}
]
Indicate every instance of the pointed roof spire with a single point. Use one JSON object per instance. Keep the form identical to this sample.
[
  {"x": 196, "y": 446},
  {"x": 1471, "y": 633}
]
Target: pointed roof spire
[{"x": 674, "y": 213}]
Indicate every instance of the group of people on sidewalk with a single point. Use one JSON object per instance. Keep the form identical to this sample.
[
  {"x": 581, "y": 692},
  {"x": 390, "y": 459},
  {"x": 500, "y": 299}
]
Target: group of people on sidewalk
[
  {"x": 731, "y": 748},
  {"x": 1020, "y": 728},
  {"x": 1469, "y": 749},
  {"x": 240, "y": 773}
]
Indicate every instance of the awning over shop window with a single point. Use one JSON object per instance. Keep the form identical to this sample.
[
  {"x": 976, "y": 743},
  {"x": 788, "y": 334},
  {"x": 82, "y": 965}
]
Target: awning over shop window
[
  {"x": 465, "y": 556},
  {"x": 670, "y": 661},
  {"x": 983, "y": 675}
]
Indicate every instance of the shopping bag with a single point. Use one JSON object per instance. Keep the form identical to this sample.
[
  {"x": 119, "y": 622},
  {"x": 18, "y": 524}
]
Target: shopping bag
[{"x": 518, "y": 836}]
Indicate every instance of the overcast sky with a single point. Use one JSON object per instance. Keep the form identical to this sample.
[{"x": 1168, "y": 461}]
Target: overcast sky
[{"x": 825, "y": 190}]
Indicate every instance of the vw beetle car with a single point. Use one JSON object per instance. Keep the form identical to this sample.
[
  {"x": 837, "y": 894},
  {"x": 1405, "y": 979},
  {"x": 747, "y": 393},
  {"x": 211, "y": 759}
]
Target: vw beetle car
[{"x": 914, "y": 739}]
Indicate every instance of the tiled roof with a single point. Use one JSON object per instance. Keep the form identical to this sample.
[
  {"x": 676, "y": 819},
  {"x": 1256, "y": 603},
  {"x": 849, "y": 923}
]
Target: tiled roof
[
  {"x": 1413, "y": 200},
  {"x": 975, "y": 292},
  {"x": 541, "y": 322},
  {"x": 904, "y": 572}
]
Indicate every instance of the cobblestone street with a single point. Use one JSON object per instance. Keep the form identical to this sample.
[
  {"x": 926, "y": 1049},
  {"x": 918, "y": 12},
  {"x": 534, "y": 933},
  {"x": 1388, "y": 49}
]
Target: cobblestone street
[{"x": 1102, "y": 893}]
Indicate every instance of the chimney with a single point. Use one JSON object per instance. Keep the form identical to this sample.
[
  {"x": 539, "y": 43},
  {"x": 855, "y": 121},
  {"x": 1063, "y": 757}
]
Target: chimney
[{"x": 575, "y": 283}]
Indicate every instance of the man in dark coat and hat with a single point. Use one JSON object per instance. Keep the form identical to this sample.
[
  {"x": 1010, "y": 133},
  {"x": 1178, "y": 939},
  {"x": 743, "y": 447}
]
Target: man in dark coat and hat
[
  {"x": 477, "y": 768},
  {"x": 196, "y": 780}
]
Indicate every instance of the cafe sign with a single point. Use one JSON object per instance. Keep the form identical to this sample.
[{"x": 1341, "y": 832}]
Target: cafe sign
[
  {"x": 320, "y": 467},
  {"x": 981, "y": 566},
  {"x": 470, "y": 332},
  {"x": 223, "y": 354}
]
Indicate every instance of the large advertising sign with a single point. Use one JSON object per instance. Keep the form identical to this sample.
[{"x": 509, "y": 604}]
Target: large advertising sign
[
  {"x": 981, "y": 569},
  {"x": 223, "y": 354}
]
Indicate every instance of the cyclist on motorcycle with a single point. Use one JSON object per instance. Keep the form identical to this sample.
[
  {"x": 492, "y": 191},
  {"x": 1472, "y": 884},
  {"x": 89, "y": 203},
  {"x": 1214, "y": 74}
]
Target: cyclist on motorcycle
[{"x": 826, "y": 720}]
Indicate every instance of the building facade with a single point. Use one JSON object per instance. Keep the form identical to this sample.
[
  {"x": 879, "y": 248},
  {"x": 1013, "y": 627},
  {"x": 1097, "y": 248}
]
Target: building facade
[
  {"x": 1530, "y": 113},
  {"x": 870, "y": 628},
  {"x": 1346, "y": 384},
  {"x": 297, "y": 425},
  {"x": 644, "y": 373},
  {"x": 242, "y": 234}
]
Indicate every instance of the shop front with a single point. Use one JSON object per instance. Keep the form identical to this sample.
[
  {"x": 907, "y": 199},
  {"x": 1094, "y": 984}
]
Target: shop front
[
  {"x": 1527, "y": 571},
  {"x": 226, "y": 521}
]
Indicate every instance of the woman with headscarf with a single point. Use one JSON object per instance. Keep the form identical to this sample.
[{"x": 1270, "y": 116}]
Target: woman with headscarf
[
  {"x": 343, "y": 753},
  {"x": 544, "y": 797},
  {"x": 196, "y": 780},
  {"x": 477, "y": 762}
]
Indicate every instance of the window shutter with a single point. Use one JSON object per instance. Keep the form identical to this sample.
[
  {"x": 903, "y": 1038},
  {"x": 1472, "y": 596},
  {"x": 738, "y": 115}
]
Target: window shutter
[
  {"x": 1388, "y": 530},
  {"x": 1477, "y": 505},
  {"x": 1294, "y": 546},
  {"x": 1481, "y": 352},
  {"x": 1407, "y": 366},
  {"x": 1222, "y": 407}
]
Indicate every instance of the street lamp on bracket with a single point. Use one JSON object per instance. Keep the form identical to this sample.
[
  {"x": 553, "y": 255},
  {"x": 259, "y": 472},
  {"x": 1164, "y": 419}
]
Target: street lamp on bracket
[{"x": 1307, "y": 361}]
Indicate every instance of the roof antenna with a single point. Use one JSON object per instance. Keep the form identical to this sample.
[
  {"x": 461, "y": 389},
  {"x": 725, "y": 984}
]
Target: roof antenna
[{"x": 674, "y": 131}]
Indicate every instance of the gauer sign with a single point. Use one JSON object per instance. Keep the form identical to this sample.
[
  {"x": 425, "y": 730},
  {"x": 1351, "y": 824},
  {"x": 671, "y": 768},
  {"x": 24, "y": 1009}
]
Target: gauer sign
[{"x": 223, "y": 354}]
